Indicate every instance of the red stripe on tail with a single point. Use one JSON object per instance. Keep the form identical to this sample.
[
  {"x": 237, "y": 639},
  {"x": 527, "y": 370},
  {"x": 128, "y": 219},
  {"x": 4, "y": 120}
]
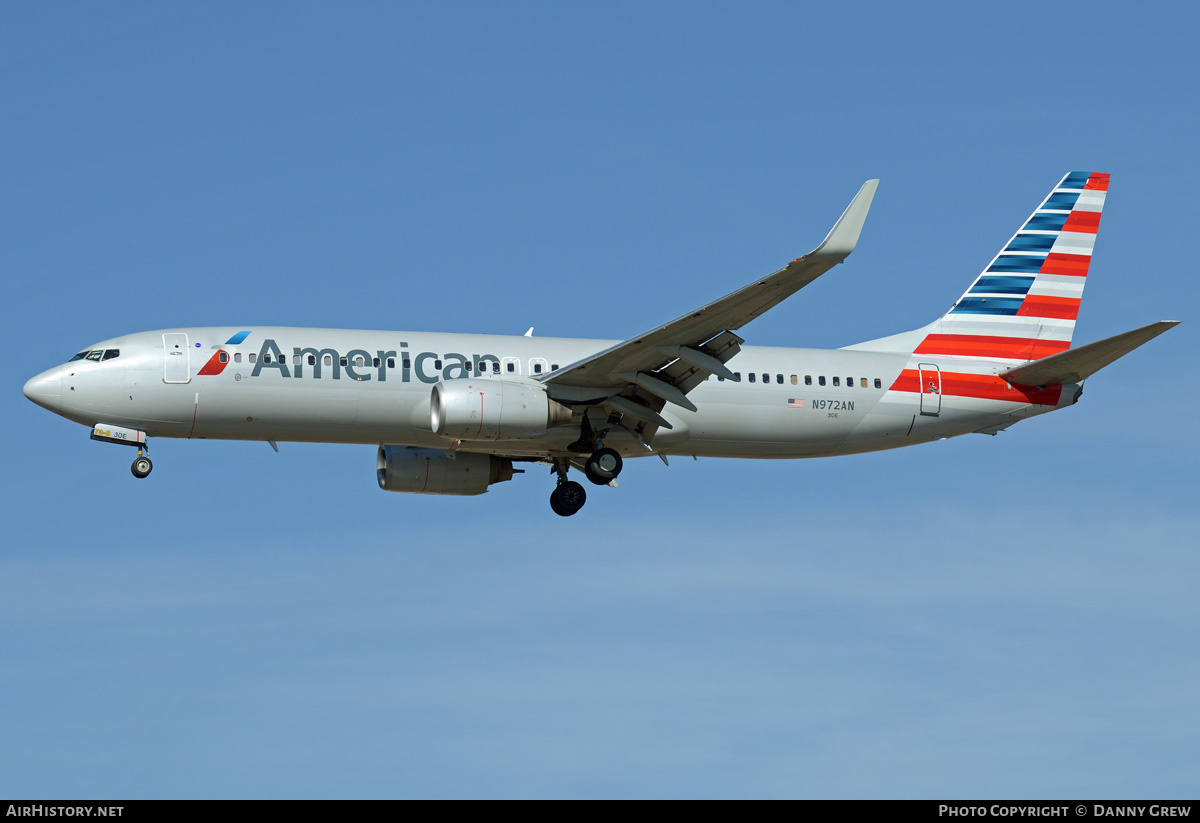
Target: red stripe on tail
[
  {"x": 1072, "y": 264},
  {"x": 1062, "y": 308},
  {"x": 978, "y": 345}
]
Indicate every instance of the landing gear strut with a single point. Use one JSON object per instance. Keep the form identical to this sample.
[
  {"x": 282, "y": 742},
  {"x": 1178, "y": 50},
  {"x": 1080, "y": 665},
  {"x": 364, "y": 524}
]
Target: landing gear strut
[{"x": 568, "y": 496}]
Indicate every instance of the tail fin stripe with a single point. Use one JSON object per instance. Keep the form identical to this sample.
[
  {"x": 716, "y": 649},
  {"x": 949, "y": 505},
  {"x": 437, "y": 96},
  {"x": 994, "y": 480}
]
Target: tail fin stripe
[
  {"x": 1031, "y": 242},
  {"x": 1097, "y": 182},
  {"x": 1076, "y": 180},
  {"x": 1018, "y": 264},
  {"x": 1060, "y": 201},
  {"x": 1083, "y": 221},
  {"x": 1063, "y": 308},
  {"x": 978, "y": 345},
  {"x": 1045, "y": 222},
  {"x": 988, "y": 305},
  {"x": 1073, "y": 242},
  {"x": 1002, "y": 285},
  {"x": 1090, "y": 201},
  {"x": 1074, "y": 265}
]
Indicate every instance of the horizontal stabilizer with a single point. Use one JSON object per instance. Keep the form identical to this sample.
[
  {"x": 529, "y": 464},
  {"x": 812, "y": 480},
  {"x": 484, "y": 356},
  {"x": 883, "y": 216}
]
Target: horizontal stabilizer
[{"x": 1075, "y": 365}]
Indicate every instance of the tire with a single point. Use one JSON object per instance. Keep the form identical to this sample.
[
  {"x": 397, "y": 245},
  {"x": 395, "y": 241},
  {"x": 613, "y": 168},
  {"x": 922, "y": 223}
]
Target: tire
[
  {"x": 604, "y": 465},
  {"x": 567, "y": 498},
  {"x": 141, "y": 467}
]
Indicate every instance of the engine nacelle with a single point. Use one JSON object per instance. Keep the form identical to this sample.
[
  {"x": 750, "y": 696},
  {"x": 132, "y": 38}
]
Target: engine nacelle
[
  {"x": 478, "y": 409},
  {"x": 432, "y": 471}
]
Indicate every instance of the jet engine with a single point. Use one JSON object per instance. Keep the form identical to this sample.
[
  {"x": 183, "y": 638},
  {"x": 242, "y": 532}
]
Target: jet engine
[
  {"x": 432, "y": 471},
  {"x": 471, "y": 409}
]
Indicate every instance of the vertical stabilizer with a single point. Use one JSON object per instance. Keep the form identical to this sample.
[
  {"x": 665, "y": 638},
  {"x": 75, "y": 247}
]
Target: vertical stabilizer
[{"x": 1024, "y": 304}]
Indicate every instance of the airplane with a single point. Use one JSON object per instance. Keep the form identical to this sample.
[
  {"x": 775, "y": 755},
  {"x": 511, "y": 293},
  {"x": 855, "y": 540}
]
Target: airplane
[{"x": 453, "y": 414}]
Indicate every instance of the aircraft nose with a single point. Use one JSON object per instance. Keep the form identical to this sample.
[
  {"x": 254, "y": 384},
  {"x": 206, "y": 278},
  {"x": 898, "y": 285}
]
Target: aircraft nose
[{"x": 45, "y": 390}]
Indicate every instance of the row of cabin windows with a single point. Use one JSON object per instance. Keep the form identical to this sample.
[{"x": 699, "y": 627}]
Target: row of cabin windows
[
  {"x": 808, "y": 380},
  {"x": 510, "y": 364}
]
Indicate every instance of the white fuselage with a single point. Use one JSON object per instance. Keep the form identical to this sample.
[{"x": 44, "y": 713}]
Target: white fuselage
[{"x": 373, "y": 387}]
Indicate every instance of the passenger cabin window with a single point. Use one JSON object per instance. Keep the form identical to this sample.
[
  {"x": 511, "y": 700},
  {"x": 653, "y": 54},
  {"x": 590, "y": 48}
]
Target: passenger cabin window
[
  {"x": 295, "y": 360},
  {"x": 266, "y": 358},
  {"x": 407, "y": 363},
  {"x": 863, "y": 383},
  {"x": 752, "y": 376},
  {"x": 808, "y": 379},
  {"x": 737, "y": 375},
  {"x": 821, "y": 380},
  {"x": 537, "y": 368},
  {"x": 795, "y": 380},
  {"x": 223, "y": 356},
  {"x": 850, "y": 382},
  {"x": 342, "y": 361},
  {"x": 237, "y": 357},
  {"x": 878, "y": 383},
  {"x": 391, "y": 362},
  {"x": 328, "y": 359},
  {"x": 496, "y": 367},
  {"x": 837, "y": 381},
  {"x": 437, "y": 364},
  {"x": 375, "y": 362},
  {"x": 312, "y": 360},
  {"x": 779, "y": 379},
  {"x": 360, "y": 361},
  {"x": 553, "y": 367},
  {"x": 253, "y": 357},
  {"x": 512, "y": 367}
]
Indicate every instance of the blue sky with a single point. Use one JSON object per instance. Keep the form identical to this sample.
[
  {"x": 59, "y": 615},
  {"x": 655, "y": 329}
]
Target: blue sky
[{"x": 1011, "y": 616}]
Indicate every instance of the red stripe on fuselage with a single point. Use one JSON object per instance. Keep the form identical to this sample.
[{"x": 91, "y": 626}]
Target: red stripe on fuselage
[
  {"x": 983, "y": 386},
  {"x": 1072, "y": 264},
  {"x": 978, "y": 345},
  {"x": 1062, "y": 308}
]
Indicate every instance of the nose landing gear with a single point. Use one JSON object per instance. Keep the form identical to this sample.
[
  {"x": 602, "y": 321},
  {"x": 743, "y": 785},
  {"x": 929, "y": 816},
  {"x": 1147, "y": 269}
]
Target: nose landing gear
[{"x": 141, "y": 466}]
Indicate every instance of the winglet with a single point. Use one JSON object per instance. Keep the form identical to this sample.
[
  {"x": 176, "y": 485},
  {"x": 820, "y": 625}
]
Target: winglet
[{"x": 843, "y": 237}]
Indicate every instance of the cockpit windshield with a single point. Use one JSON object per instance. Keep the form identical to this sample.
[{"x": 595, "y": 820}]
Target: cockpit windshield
[{"x": 96, "y": 355}]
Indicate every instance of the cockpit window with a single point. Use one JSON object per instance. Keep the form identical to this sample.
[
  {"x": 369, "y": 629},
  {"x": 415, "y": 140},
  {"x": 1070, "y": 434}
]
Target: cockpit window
[
  {"x": 79, "y": 356},
  {"x": 109, "y": 354},
  {"x": 95, "y": 354}
]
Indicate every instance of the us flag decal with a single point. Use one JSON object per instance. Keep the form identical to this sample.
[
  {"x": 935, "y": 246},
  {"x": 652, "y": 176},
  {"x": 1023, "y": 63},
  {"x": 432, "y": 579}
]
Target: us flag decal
[{"x": 796, "y": 403}]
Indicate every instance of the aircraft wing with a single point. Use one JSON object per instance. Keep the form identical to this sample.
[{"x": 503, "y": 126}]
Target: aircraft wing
[
  {"x": 668, "y": 361},
  {"x": 1074, "y": 365}
]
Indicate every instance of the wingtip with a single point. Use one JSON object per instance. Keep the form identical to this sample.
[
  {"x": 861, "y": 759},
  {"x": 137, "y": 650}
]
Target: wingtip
[{"x": 843, "y": 237}]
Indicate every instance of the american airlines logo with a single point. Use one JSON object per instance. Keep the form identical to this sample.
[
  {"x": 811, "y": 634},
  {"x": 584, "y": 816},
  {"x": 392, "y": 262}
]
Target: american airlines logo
[{"x": 359, "y": 364}]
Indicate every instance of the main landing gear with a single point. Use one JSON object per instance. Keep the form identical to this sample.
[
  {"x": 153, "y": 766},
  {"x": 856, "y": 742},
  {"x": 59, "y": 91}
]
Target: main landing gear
[{"x": 601, "y": 468}]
